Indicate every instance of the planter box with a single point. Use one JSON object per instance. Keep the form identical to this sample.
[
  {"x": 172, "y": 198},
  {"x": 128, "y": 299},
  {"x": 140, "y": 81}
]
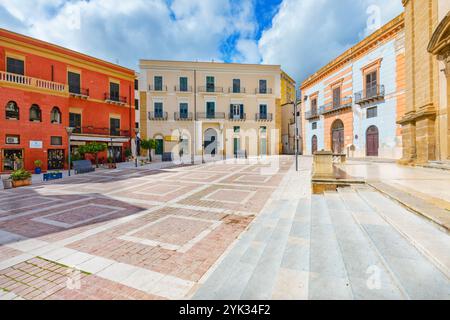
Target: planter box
[{"x": 21, "y": 183}]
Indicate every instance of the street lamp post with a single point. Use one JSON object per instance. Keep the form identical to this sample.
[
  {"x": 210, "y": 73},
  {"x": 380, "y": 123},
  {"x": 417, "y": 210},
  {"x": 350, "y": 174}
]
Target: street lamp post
[
  {"x": 69, "y": 134},
  {"x": 137, "y": 147},
  {"x": 296, "y": 134}
]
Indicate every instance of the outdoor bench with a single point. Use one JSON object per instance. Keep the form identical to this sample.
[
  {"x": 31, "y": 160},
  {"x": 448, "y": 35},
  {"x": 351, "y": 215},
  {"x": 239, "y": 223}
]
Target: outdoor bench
[{"x": 83, "y": 166}]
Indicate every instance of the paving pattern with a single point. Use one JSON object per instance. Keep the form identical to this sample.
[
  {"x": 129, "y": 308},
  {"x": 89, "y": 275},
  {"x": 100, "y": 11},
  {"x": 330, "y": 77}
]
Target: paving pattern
[{"x": 129, "y": 233}]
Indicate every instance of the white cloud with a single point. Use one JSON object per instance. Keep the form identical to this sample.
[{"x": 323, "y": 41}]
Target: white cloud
[{"x": 307, "y": 34}]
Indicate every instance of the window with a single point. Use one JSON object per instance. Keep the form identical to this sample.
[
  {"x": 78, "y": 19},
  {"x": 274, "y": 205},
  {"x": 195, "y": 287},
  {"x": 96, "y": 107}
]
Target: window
[
  {"x": 236, "y": 85},
  {"x": 158, "y": 83},
  {"x": 74, "y": 82},
  {"x": 237, "y": 129},
  {"x": 56, "y": 141},
  {"x": 337, "y": 97},
  {"x": 12, "y": 111},
  {"x": 314, "y": 125},
  {"x": 114, "y": 127},
  {"x": 314, "y": 106},
  {"x": 237, "y": 111},
  {"x": 114, "y": 89},
  {"x": 371, "y": 84},
  {"x": 210, "y": 84},
  {"x": 136, "y": 84},
  {"x": 158, "y": 109},
  {"x": 35, "y": 113},
  {"x": 210, "y": 109},
  {"x": 183, "y": 110},
  {"x": 263, "y": 111},
  {"x": 15, "y": 66},
  {"x": 263, "y": 86},
  {"x": 183, "y": 84},
  {"x": 263, "y": 130},
  {"x": 75, "y": 122},
  {"x": 55, "y": 116},
  {"x": 12, "y": 139},
  {"x": 136, "y": 125},
  {"x": 136, "y": 104},
  {"x": 372, "y": 112}
]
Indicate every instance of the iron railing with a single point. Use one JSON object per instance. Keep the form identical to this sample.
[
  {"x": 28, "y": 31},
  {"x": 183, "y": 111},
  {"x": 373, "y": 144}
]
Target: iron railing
[
  {"x": 210, "y": 89},
  {"x": 185, "y": 116},
  {"x": 157, "y": 88},
  {"x": 237, "y": 117},
  {"x": 158, "y": 116},
  {"x": 369, "y": 94},
  {"x": 263, "y": 91},
  {"x": 311, "y": 114},
  {"x": 102, "y": 131},
  {"x": 78, "y": 91},
  {"x": 236, "y": 90},
  {"x": 211, "y": 115},
  {"x": 113, "y": 98},
  {"x": 346, "y": 102},
  {"x": 183, "y": 89},
  {"x": 264, "y": 117}
]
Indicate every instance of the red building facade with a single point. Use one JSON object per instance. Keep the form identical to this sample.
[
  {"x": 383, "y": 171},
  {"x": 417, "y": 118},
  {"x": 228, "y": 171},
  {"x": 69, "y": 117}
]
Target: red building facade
[{"x": 45, "y": 89}]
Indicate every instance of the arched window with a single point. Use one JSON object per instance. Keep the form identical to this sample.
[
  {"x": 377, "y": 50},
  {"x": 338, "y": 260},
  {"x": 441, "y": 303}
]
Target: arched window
[
  {"x": 55, "y": 116},
  {"x": 35, "y": 113},
  {"x": 12, "y": 110}
]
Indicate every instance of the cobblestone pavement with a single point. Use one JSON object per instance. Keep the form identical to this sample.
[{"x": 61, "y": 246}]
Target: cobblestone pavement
[{"x": 128, "y": 233}]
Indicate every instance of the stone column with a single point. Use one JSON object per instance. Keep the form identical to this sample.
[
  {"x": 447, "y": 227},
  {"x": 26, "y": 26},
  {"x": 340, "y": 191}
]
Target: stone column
[{"x": 447, "y": 74}]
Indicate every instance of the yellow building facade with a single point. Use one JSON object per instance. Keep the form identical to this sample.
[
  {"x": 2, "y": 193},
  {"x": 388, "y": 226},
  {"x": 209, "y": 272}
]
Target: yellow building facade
[
  {"x": 210, "y": 109},
  {"x": 286, "y": 114},
  {"x": 426, "y": 123}
]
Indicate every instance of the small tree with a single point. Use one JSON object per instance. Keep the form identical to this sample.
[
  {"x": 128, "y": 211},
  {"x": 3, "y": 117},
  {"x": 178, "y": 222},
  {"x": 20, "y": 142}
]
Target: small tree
[
  {"x": 93, "y": 148},
  {"x": 149, "y": 145}
]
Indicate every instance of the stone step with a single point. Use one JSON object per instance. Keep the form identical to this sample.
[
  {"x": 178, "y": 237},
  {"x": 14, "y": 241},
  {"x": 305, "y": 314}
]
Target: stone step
[
  {"x": 429, "y": 240},
  {"x": 328, "y": 277},
  {"x": 417, "y": 275}
]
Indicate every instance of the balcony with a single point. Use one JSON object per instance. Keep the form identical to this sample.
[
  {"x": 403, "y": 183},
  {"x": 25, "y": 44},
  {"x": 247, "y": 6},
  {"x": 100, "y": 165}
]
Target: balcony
[
  {"x": 109, "y": 132},
  {"x": 211, "y": 115},
  {"x": 158, "y": 116},
  {"x": 30, "y": 82},
  {"x": 264, "y": 117},
  {"x": 210, "y": 89},
  {"x": 152, "y": 88},
  {"x": 183, "y": 89},
  {"x": 183, "y": 116},
  {"x": 237, "y": 117},
  {"x": 312, "y": 114},
  {"x": 371, "y": 94},
  {"x": 263, "y": 91},
  {"x": 344, "y": 104},
  {"x": 233, "y": 90},
  {"x": 80, "y": 93},
  {"x": 115, "y": 99}
]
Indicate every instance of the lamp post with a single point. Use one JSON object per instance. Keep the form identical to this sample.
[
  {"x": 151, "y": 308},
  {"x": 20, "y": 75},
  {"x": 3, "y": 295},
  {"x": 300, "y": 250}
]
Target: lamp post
[
  {"x": 69, "y": 134},
  {"x": 295, "y": 103},
  {"x": 136, "y": 130}
]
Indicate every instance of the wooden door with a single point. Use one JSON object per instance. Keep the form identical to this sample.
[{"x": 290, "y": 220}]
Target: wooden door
[
  {"x": 314, "y": 145},
  {"x": 372, "y": 142}
]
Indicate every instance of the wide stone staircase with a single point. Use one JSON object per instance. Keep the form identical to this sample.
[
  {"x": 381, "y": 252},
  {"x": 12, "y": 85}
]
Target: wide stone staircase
[{"x": 351, "y": 244}]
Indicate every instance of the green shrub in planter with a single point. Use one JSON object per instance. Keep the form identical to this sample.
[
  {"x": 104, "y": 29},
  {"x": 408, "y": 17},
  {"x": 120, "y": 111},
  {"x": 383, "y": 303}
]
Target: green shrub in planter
[{"x": 20, "y": 174}]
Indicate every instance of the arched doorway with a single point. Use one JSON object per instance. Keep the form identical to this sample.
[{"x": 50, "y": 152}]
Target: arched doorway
[
  {"x": 337, "y": 136},
  {"x": 159, "y": 148},
  {"x": 372, "y": 141},
  {"x": 314, "y": 145},
  {"x": 210, "y": 142}
]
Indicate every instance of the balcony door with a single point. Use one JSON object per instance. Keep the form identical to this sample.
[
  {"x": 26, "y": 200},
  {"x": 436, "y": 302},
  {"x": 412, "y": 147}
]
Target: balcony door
[
  {"x": 371, "y": 84},
  {"x": 210, "y": 110},
  {"x": 75, "y": 122},
  {"x": 183, "y": 110},
  {"x": 74, "y": 80},
  {"x": 210, "y": 84},
  {"x": 114, "y": 126},
  {"x": 263, "y": 111},
  {"x": 237, "y": 111},
  {"x": 114, "y": 89},
  {"x": 158, "y": 109},
  {"x": 337, "y": 97}
]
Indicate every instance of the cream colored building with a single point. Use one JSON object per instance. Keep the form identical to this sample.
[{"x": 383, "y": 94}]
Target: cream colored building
[{"x": 216, "y": 109}]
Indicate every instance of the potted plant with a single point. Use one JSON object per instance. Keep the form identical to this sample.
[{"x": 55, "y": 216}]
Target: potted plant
[
  {"x": 21, "y": 178},
  {"x": 93, "y": 148},
  {"x": 38, "y": 167}
]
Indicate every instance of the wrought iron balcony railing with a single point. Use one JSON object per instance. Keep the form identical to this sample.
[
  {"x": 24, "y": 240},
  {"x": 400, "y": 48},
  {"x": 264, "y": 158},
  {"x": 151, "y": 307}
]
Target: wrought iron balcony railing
[
  {"x": 345, "y": 103},
  {"x": 157, "y": 88},
  {"x": 184, "y": 116},
  {"x": 115, "y": 99},
  {"x": 370, "y": 94},
  {"x": 183, "y": 89},
  {"x": 90, "y": 130},
  {"x": 264, "y": 117},
  {"x": 263, "y": 91},
  {"x": 237, "y": 117},
  {"x": 234, "y": 90},
  {"x": 79, "y": 92},
  {"x": 32, "y": 82},
  {"x": 158, "y": 116},
  {"x": 210, "y": 89},
  {"x": 311, "y": 114},
  {"x": 211, "y": 115}
]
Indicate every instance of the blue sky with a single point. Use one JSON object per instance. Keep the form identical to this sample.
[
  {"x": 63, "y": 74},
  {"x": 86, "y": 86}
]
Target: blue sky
[{"x": 301, "y": 35}]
